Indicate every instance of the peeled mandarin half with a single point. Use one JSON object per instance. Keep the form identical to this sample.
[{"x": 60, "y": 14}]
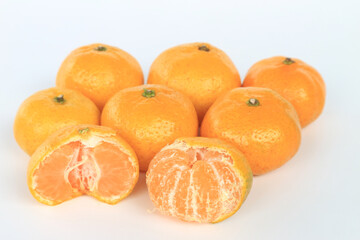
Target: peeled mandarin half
[
  {"x": 199, "y": 179},
  {"x": 83, "y": 159}
]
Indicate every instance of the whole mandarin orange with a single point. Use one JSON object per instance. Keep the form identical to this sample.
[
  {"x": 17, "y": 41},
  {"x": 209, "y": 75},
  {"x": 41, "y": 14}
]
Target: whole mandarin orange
[
  {"x": 149, "y": 117},
  {"x": 261, "y": 123},
  {"x": 49, "y": 110},
  {"x": 199, "y": 70},
  {"x": 99, "y": 71},
  {"x": 293, "y": 79}
]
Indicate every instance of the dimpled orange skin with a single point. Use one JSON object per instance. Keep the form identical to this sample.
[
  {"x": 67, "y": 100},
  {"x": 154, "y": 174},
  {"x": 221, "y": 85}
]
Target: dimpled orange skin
[
  {"x": 40, "y": 115},
  {"x": 150, "y": 123},
  {"x": 296, "y": 81},
  {"x": 73, "y": 133},
  {"x": 99, "y": 71},
  {"x": 202, "y": 75},
  {"x": 269, "y": 134}
]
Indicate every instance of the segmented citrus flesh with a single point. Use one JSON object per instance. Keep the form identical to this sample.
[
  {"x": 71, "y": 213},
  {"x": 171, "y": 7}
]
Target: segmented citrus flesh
[
  {"x": 195, "y": 183},
  {"x": 93, "y": 167}
]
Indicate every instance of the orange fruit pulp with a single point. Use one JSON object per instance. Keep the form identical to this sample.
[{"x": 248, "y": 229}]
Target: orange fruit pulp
[
  {"x": 199, "y": 179},
  {"x": 83, "y": 159}
]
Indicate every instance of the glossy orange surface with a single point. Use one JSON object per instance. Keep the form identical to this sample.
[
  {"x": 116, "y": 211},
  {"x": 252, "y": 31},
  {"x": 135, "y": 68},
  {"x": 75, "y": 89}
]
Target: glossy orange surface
[
  {"x": 199, "y": 70},
  {"x": 149, "y": 117},
  {"x": 49, "y": 110},
  {"x": 293, "y": 79},
  {"x": 99, "y": 71},
  {"x": 261, "y": 123}
]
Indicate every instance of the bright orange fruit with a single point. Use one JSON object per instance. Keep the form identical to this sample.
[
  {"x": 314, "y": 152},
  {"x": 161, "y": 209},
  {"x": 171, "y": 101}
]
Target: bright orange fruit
[
  {"x": 49, "y": 110},
  {"x": 261, "y": 123},
  {"x": 200, "y": 70},
  {"x": 83, "y": 159},
  {"x": 199, "y": 179},
  {"x": 293, "y": 79},
  {"x": 99, "y": 71},
  {"x": 150, "y": 116}
]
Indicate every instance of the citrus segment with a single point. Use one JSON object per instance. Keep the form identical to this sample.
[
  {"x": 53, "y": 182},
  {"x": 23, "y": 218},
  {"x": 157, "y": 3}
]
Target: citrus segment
[
  {"x": 113, "y": 174},
  {"x": 49, "y": 179}
]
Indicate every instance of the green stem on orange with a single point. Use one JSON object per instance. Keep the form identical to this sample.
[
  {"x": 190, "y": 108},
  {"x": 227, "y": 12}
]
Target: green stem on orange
[
  {"x": 148, "y": 93},
  {"x": 83, "y": 130},
  {"x": 100, "y": 48},
  {"x": 288, "y": 61},
  {"x": 253, "y": 102},
  {"x": 204, "y": 48},
  {"x": 60, "y": 99}
]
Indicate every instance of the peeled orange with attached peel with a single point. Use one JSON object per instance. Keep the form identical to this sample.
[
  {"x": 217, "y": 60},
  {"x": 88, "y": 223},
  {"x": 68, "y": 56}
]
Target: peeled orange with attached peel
[
  {"x": 49, "y": 110},
  {"x": 199, "y": 180},
  {"x": 83, "y": 159}
]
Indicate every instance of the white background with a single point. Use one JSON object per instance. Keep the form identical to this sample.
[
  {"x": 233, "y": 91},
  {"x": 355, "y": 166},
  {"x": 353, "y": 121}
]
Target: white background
[{"x": 314, "y": 196}]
